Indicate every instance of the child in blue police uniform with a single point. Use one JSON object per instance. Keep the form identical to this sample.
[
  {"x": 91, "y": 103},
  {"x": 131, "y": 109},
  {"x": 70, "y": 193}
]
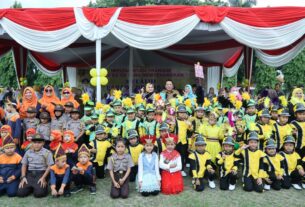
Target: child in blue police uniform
[
  {"x": 60, "y": 174},
  {"x": 83, "y": 173},
  {"x": 101, "y": 148},
  {"x": 10, "y": 168}
]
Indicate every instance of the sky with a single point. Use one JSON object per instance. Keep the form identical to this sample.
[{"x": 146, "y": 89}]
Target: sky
[{"x": 73, "y": 3}]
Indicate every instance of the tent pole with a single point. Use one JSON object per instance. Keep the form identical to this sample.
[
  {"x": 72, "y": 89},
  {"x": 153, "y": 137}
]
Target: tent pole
[
  {"x": 250, "y": 68},
  {"x": 130, "y": 74},
  {"x": 98, "y": 57},
  {"x": 221, "y": 76}
]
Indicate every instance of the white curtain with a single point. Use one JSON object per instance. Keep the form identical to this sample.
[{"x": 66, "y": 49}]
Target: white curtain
[
  {"x": 90, "y": 30},
  {"x": 213, "y": 78},
  {"x": 230, "y": 72},
  {"x": 42, "y": 68},
  {"x": 264, "y": 38},
  {"x": 71, "y": 73}
]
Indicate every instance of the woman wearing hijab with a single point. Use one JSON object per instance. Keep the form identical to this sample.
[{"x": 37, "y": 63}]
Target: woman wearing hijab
[
  {"x": 49, "y": 100},
  {"x": 296, "y": 97},
  {"x": 188, "y": 94},
  {"x": 149, "y": 95},
  {"x": 29, "y": 99},
  {"x": 67, "y": 96}
]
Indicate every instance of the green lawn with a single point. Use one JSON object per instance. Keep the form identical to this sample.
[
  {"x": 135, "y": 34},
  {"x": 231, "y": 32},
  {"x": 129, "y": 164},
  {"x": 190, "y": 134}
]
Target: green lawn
[{"x": 186, "y": 199}]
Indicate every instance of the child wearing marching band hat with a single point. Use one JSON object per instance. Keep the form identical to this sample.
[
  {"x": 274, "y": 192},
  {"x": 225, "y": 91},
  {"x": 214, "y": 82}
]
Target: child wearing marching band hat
[
  {"x": 60, "y": 174},
  {"x": 200, "y": 161},
  {"x": 228, "y": 165},
  {"x": 149, "y": 179},
  {"x": 171, "y": 165}
]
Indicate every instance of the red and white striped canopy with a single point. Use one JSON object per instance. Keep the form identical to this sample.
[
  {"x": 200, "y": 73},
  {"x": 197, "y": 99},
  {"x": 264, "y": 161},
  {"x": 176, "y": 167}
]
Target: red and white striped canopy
[{"x": 215, "y": 36}]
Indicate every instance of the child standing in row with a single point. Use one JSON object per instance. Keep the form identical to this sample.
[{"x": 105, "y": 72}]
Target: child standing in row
[
  {"x": 171, "y": 165},
  {"x": 134, "y": 149},
  {"x": 149, "y": 179}
]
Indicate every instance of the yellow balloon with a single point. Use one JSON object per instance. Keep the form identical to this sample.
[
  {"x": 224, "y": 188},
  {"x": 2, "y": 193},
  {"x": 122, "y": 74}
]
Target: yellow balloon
[
  {"x": 104, "y": 81},
  {"x": 93, "y": 81},
  {"x": 103, "y": 72},
  {"x": 93, "y": 72}
]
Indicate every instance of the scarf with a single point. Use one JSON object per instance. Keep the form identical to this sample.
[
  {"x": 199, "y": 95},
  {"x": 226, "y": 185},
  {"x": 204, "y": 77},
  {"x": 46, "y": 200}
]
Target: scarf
[
  {"x": 70, "y": 99},
  {"x": 26, "y": 103}
]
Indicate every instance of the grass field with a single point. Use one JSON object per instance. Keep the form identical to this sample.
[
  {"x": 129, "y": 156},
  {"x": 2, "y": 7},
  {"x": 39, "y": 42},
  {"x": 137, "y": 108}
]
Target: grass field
[{"x": 186, "y": 199}]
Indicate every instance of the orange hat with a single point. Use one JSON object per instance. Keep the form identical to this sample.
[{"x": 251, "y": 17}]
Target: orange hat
[
  {"x": 170, "y": 138},
  {"x": 6, "y": 128},
  {"x": 70, "y": 133},
  {"x": 83, "y": 150},
  {"x": 60, "y": 153},
  {"x": 30, "y": 131},
  {"x": 148, "y": 139},
  {"x": 56, "y": 134},
  {"x": 8, "y": 141}
]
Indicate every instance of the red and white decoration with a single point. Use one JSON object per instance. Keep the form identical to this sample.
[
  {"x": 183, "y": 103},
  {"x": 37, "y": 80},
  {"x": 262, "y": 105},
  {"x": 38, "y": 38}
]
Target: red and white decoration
[{"x": 215, "y": 36}]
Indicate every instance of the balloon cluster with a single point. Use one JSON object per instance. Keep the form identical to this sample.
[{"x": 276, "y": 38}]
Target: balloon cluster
[
  {"x": 23, "y": 81},
  {"x": 103, "y": 78}
]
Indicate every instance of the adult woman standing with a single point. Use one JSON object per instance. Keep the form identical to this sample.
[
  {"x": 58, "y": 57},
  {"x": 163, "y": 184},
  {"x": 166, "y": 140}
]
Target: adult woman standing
[
  {"x": 67, "y": 96},
  {"x": 149, "y": 95},
  {"x": 49, "y": 100},
  {"x": 29, "y": 99}
]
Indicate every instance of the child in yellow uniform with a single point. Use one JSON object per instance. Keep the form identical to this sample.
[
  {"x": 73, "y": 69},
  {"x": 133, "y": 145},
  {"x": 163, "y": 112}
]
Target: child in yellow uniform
[
  {"x": 213, "y": 135},
  {"x": 101, "y": 148},
  {"x": 252, "y": 159},
  {"x": 294, "y": 171},
  {"x": 134, "y": 149},
  {"x": 181, "y": 128},
  {"x": 298, "y": 126},
  {"x": 281, "y": 128},
  {"x": 227, "y": 163},
  {"x": 197, "y": 121},
  {"x": 273, "y": 166},
  {"x": 264, "y": 127},
  {"x": 159, "y": 145},
  {"x": 201, "y": 167}
]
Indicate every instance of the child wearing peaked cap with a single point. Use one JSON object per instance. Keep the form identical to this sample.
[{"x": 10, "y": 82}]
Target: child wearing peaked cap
[
  {"x": 201, "y": 167},
  {"x": 30, "y": 121},
  {"x": 77, "y": 126},
  {"x": 44, "y": 128},
  {"x": 14, "y": 121},
  {"x": 298, "y": 126},
  {"x": 60, "y": 174},
  {"x": 159, "y": 144},
  {"x": 83, "y": 172},
  {"x": 264, "y": 127},
  {"x": 293, "y": 170},
  {"x": 10, "y": 168},
  {"x": 149, "y": 179},
  {"x": 100, "y": 148},
  {"x": 281, "y": 128},
  {"x": 228, "y": 165},
  {"x": 58, "y": 122},
  {"x": 171, "y": 165},
  {"x": 273, "y": 166},
  {"x": 252, "y": 159},
  {"x": 36, "y": 164},
  {"x": 134, "y": 148},
  {"x": 119, "y": 166}
]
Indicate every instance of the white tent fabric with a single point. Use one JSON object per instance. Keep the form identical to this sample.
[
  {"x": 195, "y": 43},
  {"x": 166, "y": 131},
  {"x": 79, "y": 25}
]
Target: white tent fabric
[{"x": 213, "y": 78}]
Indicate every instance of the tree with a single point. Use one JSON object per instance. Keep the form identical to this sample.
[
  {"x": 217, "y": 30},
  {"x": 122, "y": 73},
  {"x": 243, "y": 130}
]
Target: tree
[
  {"x": 16, "y": 5},
  {"x": 8, "y": 72}
]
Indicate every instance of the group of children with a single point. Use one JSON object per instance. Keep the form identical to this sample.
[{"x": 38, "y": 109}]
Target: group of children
[{"x": 153, "y": 145}]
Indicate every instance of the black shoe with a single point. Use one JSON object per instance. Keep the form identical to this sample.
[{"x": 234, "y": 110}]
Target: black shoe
[
  {"x": 92, "y": 190},
  {"x": 67, "y": 194},
  {"x": 76, "y": 189}
]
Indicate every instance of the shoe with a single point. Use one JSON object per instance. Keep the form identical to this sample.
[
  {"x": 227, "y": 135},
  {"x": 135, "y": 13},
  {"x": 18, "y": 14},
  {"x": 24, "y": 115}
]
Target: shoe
[
  {"x": 267, "y": 187},
  {"x": 188, "y": 165},
  {"x": 183, "y": 174},
  {"x": 92, "y": 190},
  {"x": 77, "y": 189},
  {"x": 303, "y": 185},
  {"x": 212, "y": 184},
  {"x": 297, "y": 186},
  {"x": 231, "y": 187}
]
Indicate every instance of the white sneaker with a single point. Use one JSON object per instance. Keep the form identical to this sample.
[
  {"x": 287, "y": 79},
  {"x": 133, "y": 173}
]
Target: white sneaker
[
  {"x": 212, "y": 184},
  {"x": 267, "y": 187},
  {"x": 188, "y": 165},
  {"x": 297, "y": 186},
  {"x": 231, "y": 187},
  {"x": 303, "y": 185},
  {"x": 183, "y": 174}
]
